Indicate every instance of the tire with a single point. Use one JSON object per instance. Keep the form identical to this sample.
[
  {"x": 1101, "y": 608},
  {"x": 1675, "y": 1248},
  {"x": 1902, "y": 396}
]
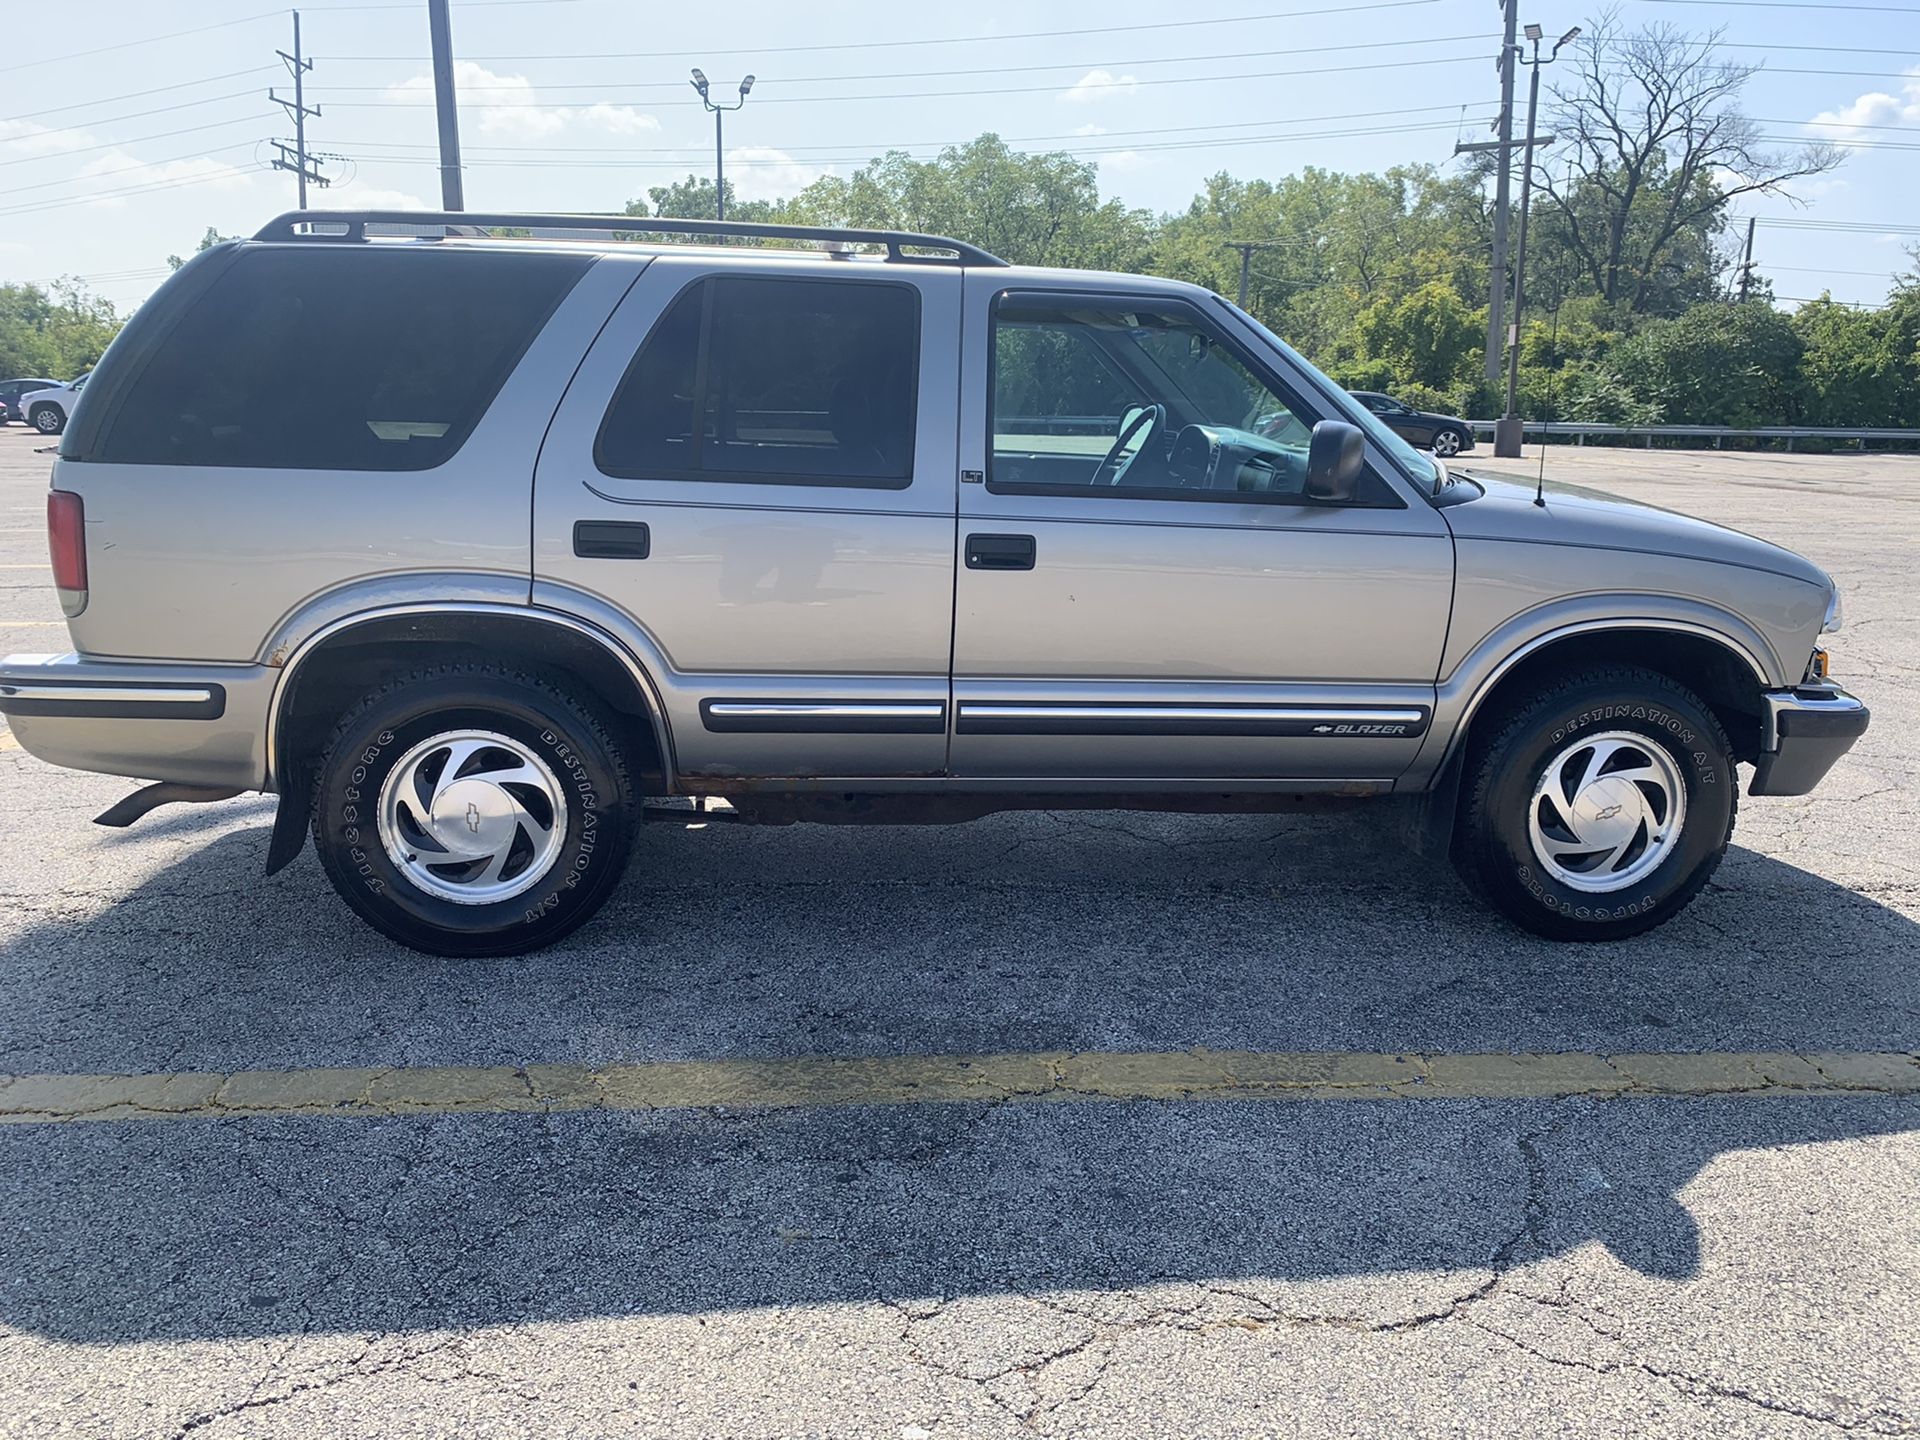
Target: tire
[
  {"x": 415, "y": 771},
  {"x": 1448, "y": 443},
  {"x": 1571, "y": 804},
  {"x": 47, "y": 419}
]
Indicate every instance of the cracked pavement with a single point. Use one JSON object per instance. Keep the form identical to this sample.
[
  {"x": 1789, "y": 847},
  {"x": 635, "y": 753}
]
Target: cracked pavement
[{"x": 1735, "y": 1265}]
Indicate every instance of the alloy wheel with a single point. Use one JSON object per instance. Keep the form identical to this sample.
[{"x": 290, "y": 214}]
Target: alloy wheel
[
  {"x": 472, "y": 816},
  {"x": 1607, "y": 810}
]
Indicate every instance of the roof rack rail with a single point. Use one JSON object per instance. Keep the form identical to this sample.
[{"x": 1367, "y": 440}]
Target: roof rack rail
[{"x": 336, "y": 225}]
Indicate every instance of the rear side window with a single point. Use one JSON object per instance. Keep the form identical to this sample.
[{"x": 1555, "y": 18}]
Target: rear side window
[
  {"x": 797, "y": 382},
  {"x": 337, "y": 359}
]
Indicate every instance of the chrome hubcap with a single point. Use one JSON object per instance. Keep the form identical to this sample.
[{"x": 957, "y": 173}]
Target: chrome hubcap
[
  {"x": 1608, "y": 809},
  {"x": 472, "y": 816},
  {"x": 1446, "y": 443}
]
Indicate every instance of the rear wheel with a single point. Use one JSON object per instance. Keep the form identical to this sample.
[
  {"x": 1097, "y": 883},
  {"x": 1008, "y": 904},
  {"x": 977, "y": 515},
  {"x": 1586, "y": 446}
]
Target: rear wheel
[
  {"x": 1599, "y": 807},
  {"x": 47, "y": 419},
  {"x": 468, "y": 810}
]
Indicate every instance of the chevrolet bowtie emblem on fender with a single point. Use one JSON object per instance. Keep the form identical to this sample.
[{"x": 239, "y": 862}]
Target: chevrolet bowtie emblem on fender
[
  {"x": 1323, "y": 729},
  {"x": 473, "y": 817}
]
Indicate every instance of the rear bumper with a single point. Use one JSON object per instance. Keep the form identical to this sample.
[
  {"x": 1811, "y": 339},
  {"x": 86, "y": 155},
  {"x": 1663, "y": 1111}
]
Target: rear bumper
[
  {"x": 196, "y": 724},
  {"x": 1804, "y": 731}
]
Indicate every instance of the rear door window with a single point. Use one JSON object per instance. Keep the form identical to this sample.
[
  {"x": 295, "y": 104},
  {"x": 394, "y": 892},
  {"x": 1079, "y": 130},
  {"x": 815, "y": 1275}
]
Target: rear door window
[
  {"x": 780, "y": 381},
  {"x": 337, "y": 358}
]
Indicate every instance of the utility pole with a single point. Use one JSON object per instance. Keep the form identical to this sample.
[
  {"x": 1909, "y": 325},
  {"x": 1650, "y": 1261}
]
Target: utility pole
[
  {"x": 699, "y": 83},
  {"x": 1507, "y": 430},
  {"x": 1746, "y": 262},
  {"x": 440, "y": 28},
  {"x": 1502, "y": 187},
  {"x": 1246, "y": 249},
  {"x": 294, "y": 158}
]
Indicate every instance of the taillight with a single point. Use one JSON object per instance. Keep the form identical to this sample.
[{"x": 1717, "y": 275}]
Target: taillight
[{"x": 67, "y": 542}]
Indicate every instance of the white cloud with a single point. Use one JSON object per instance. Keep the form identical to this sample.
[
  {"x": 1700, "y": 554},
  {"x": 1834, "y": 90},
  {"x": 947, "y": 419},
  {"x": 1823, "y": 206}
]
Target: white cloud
[
  {"x": 120, "y": 171},
  {"x": 354, "y": 195},
  {"x": 1089, "y": 129},
  {"x": 509, "y": 105},
  {"x": 1098, "y": 85},
  {"x": 760, "y": 172},
  {"x": 1845, "y": 125},
  {"x": 1121, "y": 160},
  {"x": 25, "y": 140}
]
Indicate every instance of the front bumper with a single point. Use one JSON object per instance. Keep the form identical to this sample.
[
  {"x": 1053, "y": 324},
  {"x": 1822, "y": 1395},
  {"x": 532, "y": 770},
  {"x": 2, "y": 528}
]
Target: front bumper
[
  {"x": 1803, "y": 732},
  {"x": 195, "y": 724}
]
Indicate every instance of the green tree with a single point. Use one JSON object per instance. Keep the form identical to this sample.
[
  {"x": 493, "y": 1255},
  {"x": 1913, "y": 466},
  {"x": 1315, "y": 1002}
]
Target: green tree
[
  {"x": 1716, "y": 364},
  {"x": 692, "y": 199},
  {"x": 57, "y": 333},
  {"x": 1858, "y": 367},
  {"x": 1029, "y": 209},
  {"x": 1428, "y": 334},
  {"x": 1652, "y": 148},
  {"x": 207, "y": 241}
]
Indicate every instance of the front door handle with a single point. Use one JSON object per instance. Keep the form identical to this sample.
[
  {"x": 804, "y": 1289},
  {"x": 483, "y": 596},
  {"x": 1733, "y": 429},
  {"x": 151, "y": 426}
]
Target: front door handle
[{"x": 1000, "y": 552}]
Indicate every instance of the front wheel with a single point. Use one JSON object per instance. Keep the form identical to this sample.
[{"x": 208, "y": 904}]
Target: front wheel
[
  {"x": 469, "y": 810},
  {"x": 1447, "y": 443},
  {"x": 48, "y": 420},
  {"x": 1599, "y": 807}
]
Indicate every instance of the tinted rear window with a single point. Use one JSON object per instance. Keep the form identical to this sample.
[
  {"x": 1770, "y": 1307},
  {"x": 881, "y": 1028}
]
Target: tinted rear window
[
  {"x": 781, "y": 381},
  {"x": 337, "y": 359}
]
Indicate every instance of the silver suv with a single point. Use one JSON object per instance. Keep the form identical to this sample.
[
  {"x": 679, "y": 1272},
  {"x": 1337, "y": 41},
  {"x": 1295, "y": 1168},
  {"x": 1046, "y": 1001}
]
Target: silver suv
[{"x": 463, "y": 544}]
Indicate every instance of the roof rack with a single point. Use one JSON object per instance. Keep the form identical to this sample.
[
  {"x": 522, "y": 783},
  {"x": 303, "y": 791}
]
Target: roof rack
[{"x": 350, "y": 225}]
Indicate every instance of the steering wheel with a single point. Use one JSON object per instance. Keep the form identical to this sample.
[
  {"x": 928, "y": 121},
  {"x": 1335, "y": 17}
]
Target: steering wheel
[{"x": 1151, "y": 418}]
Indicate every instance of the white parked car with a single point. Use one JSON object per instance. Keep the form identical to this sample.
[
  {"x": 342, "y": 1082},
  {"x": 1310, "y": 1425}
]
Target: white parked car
[{"x": 47, "y": 410}]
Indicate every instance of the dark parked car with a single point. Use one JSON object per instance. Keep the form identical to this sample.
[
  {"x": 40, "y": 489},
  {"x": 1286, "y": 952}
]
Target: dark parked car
[
  {"x": 12, "y": 390},
  {"x": 1442, "y": 434}
]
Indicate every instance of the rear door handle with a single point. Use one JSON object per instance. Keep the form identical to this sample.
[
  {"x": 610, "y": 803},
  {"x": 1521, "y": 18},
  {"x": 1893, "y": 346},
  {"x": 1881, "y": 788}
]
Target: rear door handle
[
  {"x": 612, "y": 539},
  {"x": 1000, "y": 552}
]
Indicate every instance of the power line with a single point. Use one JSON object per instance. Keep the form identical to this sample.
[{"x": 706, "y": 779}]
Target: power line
[
  {"x": 61, "y": 154},
  {"x": 131, "y": 115},
  {"x": 943, "y": 40},
  {"x": 130, "y": 44},
  {"x": 675, "y": 85},
  {"x": 36, "y": 207},
  {"x": 1128, "y": 84},
  {"x": 128, "y": 169},
  {"x": 868, "y": 148},
  {"x": 136, "y": 94},
  {"x": 924, "y": 95},
  {"x": 1791, "y": 5},
  {"x": 677, "y": 164}
]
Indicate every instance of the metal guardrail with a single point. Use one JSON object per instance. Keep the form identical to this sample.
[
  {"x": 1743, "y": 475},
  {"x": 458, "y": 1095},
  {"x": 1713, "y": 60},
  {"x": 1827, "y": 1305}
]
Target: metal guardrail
[{"x": 1717, "y": 433}]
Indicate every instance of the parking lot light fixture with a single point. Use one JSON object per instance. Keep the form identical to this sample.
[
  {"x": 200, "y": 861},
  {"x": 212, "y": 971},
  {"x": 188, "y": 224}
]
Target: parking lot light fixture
[{"x": 700, "y": 83}]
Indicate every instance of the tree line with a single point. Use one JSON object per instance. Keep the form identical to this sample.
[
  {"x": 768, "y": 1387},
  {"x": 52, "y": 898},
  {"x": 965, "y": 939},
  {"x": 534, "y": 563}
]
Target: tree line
[{"x": 1381, "y": 279}]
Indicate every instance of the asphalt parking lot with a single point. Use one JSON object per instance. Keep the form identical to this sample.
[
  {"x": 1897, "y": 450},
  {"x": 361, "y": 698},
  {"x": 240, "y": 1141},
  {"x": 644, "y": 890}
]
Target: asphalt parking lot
[{"x": 760, "y": 1245}]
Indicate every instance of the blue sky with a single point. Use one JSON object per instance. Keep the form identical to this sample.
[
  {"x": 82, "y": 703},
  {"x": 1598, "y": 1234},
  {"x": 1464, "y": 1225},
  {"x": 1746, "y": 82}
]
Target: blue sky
[{"x": 581, "y": 104}]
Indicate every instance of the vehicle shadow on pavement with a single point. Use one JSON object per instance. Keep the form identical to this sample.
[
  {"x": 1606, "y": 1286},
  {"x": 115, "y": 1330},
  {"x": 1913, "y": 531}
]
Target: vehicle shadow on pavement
[{"x": 1036, "y": 932}]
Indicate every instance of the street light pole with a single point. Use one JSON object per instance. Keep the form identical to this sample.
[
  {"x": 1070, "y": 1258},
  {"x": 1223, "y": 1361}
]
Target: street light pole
[
  {"x": 699, "y": 83},
  {"x": 1507, "y": 431}
]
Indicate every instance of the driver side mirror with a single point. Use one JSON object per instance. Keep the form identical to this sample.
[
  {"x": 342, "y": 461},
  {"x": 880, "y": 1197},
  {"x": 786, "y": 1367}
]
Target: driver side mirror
[{"x": 1335, "y": 457}]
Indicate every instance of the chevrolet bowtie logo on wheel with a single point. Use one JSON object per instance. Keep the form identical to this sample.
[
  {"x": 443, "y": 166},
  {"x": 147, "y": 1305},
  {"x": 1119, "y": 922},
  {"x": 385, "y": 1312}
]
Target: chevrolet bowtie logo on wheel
[
  {"x": 1606, "y": 814},
  {"x": 473, "y": 817}
]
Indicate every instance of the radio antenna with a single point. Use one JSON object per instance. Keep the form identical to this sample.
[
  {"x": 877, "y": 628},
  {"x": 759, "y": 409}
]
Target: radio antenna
[{"x": 1553, "y": 407}]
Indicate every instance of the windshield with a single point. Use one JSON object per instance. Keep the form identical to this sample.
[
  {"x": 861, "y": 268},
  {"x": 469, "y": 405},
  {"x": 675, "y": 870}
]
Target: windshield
[{"x": 1425, "y": 468}]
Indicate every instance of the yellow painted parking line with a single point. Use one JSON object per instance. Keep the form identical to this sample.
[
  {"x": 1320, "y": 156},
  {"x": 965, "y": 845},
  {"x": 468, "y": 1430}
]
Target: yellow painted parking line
[
  {"x": 7, "y": 741},
  {"x": 813, "y": 1081},
  {"x": 41, "y": 566}
]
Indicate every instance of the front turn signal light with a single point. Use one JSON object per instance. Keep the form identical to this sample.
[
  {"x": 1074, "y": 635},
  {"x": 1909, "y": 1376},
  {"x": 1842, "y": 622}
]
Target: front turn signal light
[{"x": 1819, "y": 666}]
